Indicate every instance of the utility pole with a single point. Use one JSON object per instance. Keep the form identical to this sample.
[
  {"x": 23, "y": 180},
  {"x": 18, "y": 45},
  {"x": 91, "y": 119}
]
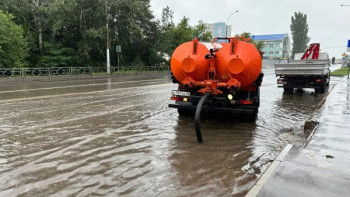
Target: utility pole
[
  {"x": 107, "y": 40},
  {"x": 347, "y": 65}
]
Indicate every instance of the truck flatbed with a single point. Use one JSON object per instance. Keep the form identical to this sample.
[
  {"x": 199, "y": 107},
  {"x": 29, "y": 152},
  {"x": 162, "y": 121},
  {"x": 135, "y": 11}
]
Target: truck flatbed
[
  {"x": 308, "y": 70},
  {"x": 303, "y": 68}
]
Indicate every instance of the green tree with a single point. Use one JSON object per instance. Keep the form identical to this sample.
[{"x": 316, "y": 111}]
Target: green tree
[
  {"x": 57, "y": 55},
  {"x": 258, "y": 44},
  {"x": 33, "y": 14},
  {"x": 299, "y": 29},
  {"x": 171, "y": 35},
  {"x": 167, "y": 18},
  {"x": 201, "y": 32},
  {"x": 76, "y": 32},
  {"x": 166, "y": 28},
  {"x": 183, "y": 32},
  {"x": 83, "y": 25},
  {"x": 174, "y": 35},
  {"x": 136, "y": 31},
  {"x": 81, "y": 28},
  {"x": 13, "y": 46}
]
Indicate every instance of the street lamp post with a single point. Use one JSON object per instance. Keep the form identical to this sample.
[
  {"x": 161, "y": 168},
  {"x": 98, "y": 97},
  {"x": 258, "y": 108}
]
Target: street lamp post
[
  {"x": 348, "y": 67},
  {"x": 229, "y": 18}
]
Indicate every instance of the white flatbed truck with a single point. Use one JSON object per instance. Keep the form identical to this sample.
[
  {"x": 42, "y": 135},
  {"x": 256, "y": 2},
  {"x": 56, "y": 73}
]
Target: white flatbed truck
[{"x": 305, "y": 71}]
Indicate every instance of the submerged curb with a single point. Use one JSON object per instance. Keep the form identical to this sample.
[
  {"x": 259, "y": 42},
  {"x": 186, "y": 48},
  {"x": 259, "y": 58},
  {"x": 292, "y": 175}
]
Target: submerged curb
[
  {"x": 254, "y": 191},
  {"x": 311, "y": 134},
  {"x": 310, "y": 122}
]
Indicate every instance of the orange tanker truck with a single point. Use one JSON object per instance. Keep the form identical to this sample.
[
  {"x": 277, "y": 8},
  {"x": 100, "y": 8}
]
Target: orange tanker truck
[{"x": 217, "y": 77}]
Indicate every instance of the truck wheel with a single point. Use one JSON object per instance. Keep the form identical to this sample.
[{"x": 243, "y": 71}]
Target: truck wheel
[
  {"x": 185, "y": 113},
  {"x": 257, "y": 101},
  {"x": 323, "y": 88},
  {"x": 252, "y": 117},
  {"x": 182, "y": 112},
  {"x": 289, "y": 90}
]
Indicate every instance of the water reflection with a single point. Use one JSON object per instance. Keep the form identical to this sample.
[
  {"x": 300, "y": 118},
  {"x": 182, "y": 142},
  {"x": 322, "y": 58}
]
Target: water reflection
[
  {"x": 118, "y": 138},
  {"x": 109, "y": 84},
  {"x": 217, "y": 165}
]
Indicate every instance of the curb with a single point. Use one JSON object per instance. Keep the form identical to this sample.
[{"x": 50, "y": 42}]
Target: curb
[
  {"x": 254, "y": 191},
  {"x": 310, "y": 136}
]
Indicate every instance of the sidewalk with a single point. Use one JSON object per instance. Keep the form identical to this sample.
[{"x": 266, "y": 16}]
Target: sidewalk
[
  {"x": 335, "y": 67},
  {"x": 322, "y": 168}
]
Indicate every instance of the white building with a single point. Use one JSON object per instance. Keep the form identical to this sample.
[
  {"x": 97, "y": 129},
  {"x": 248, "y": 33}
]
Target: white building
[
  {"x": 276, "y": 46},
  {"x": 219, "y": 29}
]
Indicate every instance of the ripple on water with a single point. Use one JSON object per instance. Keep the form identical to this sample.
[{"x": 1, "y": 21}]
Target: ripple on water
[{"x": 126, "y": 141}]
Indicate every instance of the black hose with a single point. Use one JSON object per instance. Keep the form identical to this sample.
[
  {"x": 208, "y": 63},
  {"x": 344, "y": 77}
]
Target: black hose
[{"x": 197, "y": 117}]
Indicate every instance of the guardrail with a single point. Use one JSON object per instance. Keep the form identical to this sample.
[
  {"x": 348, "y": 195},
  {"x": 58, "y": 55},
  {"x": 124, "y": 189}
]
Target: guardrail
[{"x": 71, "y": 71}]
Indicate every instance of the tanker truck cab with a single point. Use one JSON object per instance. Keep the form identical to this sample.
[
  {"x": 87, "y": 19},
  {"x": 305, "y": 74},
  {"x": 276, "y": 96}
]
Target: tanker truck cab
[{"x": 217, "y": 77}]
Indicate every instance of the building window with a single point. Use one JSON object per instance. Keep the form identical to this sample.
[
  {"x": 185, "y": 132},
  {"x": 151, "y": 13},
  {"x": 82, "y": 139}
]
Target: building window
[
  {"x": 277, "y": 52},
  {"x": 270, "y": 53},
  {"x": 278, "y": 45},
  {"x": 271, "y": 45}
]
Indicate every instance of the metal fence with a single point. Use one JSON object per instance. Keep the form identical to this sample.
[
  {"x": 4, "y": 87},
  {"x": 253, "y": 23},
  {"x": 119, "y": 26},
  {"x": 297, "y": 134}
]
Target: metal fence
[{"x": 71, "y": 71}]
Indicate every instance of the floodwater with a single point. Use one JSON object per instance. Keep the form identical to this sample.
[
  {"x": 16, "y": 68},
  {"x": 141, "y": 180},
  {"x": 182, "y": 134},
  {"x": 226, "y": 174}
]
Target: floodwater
[{"x": 112, "y": 137}]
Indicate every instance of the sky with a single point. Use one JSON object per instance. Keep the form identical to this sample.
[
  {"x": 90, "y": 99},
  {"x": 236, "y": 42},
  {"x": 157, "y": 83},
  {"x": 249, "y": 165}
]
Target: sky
[{"x": 329, "y": 23}]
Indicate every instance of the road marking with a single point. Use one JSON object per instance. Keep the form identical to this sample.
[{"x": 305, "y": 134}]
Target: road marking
[
  {"x": 35, "y": 110},
  {"x": 3, "y": 101},
  {"x": 88, "y": 116},
  {"x": 93, "y": 84}
]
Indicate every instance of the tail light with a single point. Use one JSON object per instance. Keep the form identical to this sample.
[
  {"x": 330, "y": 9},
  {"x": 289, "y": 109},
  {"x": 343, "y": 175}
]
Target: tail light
[
  {"x": 245, "y": 102},
  {"x": 318, "y": 80},
  {"x": 175, "y": 98}
]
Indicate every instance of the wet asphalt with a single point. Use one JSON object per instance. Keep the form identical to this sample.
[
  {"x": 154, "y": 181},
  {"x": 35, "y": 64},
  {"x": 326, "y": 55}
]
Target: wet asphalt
[
  {"x": 117, "y": 136},
  {"x": 322, "y": 167}
]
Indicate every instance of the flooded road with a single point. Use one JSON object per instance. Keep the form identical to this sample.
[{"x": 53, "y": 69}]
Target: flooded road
[{"x": 114, "y": 137}]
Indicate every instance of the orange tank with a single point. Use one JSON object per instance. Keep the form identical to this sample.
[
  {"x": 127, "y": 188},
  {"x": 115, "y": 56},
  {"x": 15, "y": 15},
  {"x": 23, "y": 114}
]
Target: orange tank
[
  {"x": 237, "y": 63},
  {"x": 188, "y": 60},
  {"x": 239, "y": 60}
]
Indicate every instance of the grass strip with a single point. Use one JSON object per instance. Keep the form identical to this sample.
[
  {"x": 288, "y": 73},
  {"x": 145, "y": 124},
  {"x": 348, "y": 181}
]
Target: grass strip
[{"x": 340, "y": 72}]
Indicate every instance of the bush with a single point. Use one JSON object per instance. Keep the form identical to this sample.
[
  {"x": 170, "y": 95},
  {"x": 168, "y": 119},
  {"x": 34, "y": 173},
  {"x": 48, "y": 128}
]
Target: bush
[{"x": 13, "y": 46}]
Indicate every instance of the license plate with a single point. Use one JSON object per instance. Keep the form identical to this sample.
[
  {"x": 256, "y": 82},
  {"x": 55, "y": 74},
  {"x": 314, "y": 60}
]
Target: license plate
[{"x": 180, "y": 93}]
